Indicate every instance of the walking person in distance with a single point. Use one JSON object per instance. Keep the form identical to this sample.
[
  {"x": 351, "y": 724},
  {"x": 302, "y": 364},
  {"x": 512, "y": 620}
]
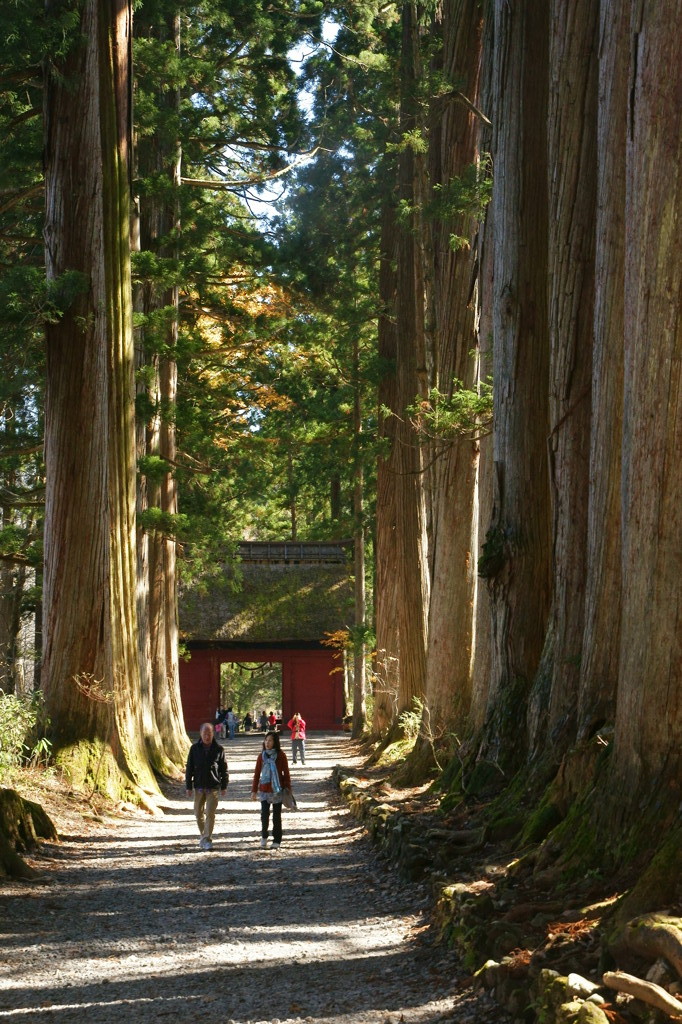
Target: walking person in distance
[
  {"x": 269, "y": 779},
  {"x": 297, "y": 726},
  {"x": 206, "y": 775}
]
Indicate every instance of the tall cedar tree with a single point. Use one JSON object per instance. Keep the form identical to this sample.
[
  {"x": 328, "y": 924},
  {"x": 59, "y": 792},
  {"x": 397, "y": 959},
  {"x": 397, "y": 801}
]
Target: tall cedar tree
[{"x": 90, "y": 671}]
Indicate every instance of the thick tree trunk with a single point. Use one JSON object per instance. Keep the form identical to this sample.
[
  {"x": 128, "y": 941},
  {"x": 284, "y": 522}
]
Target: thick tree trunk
[
  {"x": 412, "y": 549},
  {"x": 12, "y": 583},
  {"x": 453, "y": 151},
  {"x": 386, "y": 668},
  {"x": 483, "y": 640},
  {"x": 90, "y": 665},
  {"x": 648, "y": 740},
  {"x": 335, "y": 499},
  {"x": 516, "y": 553},
  {"x": 359, "y": 664},
  {"x": 572, "y": 174},
  {"x": 601, "y": 642},
  {"x": 159, "y": 219},
  {"x": 11, "y": 589}
]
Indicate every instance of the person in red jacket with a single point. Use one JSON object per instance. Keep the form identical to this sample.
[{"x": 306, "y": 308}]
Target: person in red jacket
[
  {"x": 269, "y": 779},
  {"x": 297, "y": 726}
]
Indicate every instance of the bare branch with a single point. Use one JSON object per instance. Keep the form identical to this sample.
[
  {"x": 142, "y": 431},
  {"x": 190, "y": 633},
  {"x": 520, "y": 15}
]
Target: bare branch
[
  {"x": 461, "y": 98},
  {"x": 258, "y": 180},
  {"x": 14, "y": 558},
  {"x": 21, "y": 118}
]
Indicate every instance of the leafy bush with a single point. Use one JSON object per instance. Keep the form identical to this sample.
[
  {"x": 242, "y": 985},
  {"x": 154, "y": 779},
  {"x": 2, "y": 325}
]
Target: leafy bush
[
  {"x": 21, "y": 722},
  {"x": 410, "y": 721}
]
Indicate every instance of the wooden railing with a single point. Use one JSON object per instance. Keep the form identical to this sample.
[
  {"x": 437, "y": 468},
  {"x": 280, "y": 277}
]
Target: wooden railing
[{"x": 295, "y": 552}]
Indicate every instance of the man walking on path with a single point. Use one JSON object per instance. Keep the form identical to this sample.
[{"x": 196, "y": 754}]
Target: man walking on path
[{"x": 206, "y": 773}]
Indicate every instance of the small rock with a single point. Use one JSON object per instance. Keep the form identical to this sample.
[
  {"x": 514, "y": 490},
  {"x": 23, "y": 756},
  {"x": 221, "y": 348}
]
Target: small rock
[{"x": 579, "y": 986}]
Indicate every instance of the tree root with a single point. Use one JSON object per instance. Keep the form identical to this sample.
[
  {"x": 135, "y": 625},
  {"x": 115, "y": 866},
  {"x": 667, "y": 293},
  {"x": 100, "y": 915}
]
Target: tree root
[
  {"x": 22, "y": 822},
  {"x": 655, "y": 935},
  {"x": 646, "y": 991}
]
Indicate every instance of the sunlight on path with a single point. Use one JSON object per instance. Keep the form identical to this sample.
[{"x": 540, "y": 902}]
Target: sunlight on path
[{"x": 138, "y": 924}]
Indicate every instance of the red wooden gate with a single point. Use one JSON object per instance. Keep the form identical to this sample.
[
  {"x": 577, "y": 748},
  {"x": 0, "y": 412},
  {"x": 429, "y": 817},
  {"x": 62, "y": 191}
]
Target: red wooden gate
[{"x": 312, "y": 683}]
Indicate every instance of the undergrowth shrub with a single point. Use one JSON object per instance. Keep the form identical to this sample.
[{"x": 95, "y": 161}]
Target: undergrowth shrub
[{"x": 22, "y": 724}]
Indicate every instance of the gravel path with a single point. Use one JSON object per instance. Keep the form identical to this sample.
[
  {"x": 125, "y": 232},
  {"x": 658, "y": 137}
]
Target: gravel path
[{"x": 134, "y": 923}]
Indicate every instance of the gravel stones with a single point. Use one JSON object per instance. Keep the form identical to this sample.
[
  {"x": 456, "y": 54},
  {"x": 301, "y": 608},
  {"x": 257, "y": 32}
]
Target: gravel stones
[{"x": 132, "y": 922}]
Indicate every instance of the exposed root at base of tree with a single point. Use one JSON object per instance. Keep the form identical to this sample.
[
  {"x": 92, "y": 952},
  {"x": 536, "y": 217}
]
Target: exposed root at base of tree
[{"x": 22, "y": 824}]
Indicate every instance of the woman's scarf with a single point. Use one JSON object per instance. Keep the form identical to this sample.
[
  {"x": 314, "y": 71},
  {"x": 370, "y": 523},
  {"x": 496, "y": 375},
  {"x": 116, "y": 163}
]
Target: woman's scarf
[{"x": 268, "y": 772}]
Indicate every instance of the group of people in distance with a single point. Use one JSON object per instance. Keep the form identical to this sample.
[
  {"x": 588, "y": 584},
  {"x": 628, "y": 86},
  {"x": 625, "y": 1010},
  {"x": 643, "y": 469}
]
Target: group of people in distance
[
  {"x": 227, "y": 722},
  {"x": 207, "y": 777}
]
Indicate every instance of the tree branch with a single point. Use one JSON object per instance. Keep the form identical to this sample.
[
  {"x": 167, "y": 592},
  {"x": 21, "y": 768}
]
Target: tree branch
[
  {"x": 18, "y": 197},
  {"x": 30, "y": 449},
  {"x": 21, "y": 118},
  {"x": 258, "y": 180},
  {"x": 461, "y": 98}
]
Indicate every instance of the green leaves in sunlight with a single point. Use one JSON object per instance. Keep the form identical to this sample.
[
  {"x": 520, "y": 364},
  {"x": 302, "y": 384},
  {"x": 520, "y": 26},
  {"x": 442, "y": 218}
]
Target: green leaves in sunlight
[{"x": 463, "y": 413}]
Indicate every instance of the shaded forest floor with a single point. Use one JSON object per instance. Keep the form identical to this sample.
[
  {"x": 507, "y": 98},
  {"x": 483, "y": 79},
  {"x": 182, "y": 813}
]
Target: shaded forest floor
[
  {"x": 532, "y": 932},
  {"x": 130, "y": 921}
]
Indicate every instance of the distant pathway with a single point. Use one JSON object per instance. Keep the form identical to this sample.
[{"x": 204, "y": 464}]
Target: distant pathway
[{"x": 135, "y": 924}]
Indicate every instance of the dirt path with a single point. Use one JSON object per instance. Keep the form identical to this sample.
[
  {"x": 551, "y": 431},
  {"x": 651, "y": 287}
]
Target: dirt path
[{"x": 134, "y": 923}]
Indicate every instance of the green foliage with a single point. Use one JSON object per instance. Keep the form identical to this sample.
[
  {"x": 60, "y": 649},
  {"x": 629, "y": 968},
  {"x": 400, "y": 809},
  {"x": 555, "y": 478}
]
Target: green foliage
[
  {"x": 464, "y": 412},
  {"x": 63, "y": 291},
  {"x": 22, "y": 728},
  {"x": 251, "y": 687},
  {"x": 156, "y": 520},
  {"x": 413, "y": 140},
  {"x": 467, "y": 194},
  {"x": 154, "y": 467},
  {"x": 410, "y": 721},
  {"x": 464, "y": 196}
]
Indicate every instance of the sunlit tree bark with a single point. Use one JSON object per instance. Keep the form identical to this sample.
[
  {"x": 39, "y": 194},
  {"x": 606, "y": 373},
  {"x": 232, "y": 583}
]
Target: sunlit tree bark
[
  {"x": 412, "y": 548},
  {"x": 90, "y": 664},
  {"x": 387, "y": 658},
  {"x": 160, "y": 157},
  {"x": 453, "y": 152}
]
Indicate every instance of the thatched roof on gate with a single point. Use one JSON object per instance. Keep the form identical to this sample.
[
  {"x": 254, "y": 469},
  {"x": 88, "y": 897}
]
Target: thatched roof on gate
[{"x": 286, "y": 593}]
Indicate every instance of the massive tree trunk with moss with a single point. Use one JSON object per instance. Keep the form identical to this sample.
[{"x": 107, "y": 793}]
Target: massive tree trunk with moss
[
  {"x": 516, "y": 555},
  {"x": 90, "y": 665},
  {"x": 648, "y": 740},
  {"x": 572, "y": 169}
]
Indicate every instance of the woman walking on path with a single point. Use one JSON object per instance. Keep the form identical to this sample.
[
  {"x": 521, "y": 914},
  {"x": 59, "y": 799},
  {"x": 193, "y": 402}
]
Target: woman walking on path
[
  {"x": 297, "y": 726},
  {"x": 269, "y": 779}
]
